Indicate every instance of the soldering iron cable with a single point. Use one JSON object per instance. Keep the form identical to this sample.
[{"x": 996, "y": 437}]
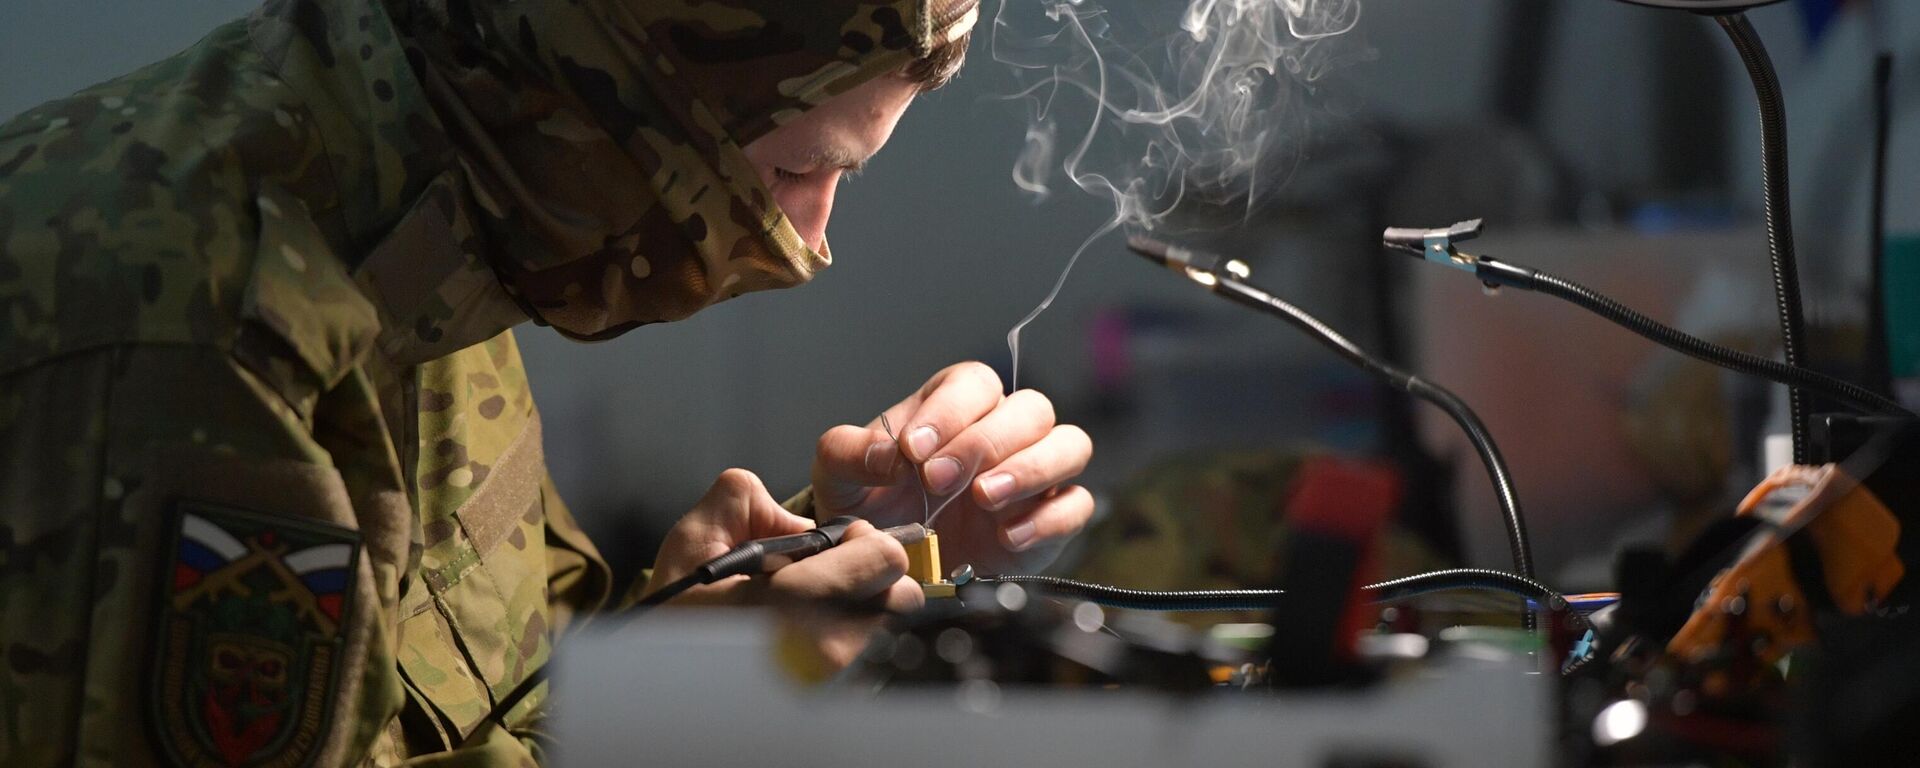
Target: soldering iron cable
[
  {"x": 1390, "y": 591},
  {"x": 1148, "y": 600},
  {"x": 770, "y": 554},
  {"x": 754, "y": 557}
]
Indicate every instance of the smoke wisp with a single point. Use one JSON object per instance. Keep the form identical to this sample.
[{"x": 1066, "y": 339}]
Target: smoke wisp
[{"x": 1206, "y": 110}]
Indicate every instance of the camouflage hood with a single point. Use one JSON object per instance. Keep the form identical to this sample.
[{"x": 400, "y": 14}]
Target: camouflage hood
[{"x": 602, "y": 138}]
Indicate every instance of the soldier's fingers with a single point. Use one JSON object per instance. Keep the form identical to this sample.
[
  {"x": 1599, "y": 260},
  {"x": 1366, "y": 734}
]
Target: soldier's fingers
[
  {"x": 1020, "y": 420},
  {"x": 848, "y": 460},
  {"x": 905, "y": 596},
  {"x": 896, "y": 416},
  {"x": 735, "y": 509},
  {"x": 1050, "y": 520},
  {"x": 965, "y": 393},
  {"x": 1056, "y": 458},
  {"x": 738, "y": 503},
  {"x": 936, "y": 381},
  {"x": 865, "y": 565},
  {"x": 893, "y": 420}
]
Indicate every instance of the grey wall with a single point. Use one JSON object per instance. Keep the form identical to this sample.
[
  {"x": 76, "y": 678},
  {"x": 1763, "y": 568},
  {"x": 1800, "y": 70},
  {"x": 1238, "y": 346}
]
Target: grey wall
[{"x": 937, "y": 255}]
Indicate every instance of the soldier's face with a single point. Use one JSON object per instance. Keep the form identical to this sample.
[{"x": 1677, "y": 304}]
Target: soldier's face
[{"x": 803, "y": 161}]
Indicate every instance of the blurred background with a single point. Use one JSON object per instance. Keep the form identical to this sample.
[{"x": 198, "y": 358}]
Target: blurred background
[{"x": 1611, "y": 143}]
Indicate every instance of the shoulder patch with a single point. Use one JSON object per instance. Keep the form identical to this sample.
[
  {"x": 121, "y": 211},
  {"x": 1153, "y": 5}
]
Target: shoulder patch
[{"x": 251, "y": 612}]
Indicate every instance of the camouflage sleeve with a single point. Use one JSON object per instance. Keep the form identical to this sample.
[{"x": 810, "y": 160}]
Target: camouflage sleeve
[{"x": 94, "y": 450}]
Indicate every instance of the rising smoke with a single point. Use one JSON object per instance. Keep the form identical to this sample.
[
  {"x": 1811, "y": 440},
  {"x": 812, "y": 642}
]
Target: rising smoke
[{"x": 1210, "y": 115}]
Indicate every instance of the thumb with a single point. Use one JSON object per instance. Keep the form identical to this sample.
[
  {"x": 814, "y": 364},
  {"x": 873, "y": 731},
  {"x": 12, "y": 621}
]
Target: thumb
[{"x": 850, "y": 460}]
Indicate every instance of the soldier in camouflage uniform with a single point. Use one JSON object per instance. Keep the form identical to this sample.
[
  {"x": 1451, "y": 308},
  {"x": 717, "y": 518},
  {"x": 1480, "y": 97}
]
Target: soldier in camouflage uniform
[{"x": 271, "y": 484}]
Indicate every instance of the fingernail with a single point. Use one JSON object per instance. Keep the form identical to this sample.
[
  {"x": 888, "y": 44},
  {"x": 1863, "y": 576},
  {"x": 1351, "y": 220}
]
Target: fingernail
[
  {"x": 924, "y": 441},
  {"x": 880, "y": 457},
  {"x": 996, "y": 486},
  {"x": 1020, "y": 536},
  {"x": 943, "y": 474}
]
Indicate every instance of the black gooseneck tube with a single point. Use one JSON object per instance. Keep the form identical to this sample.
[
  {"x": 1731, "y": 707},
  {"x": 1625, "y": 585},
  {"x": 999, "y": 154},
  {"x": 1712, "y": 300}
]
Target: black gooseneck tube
[
  {"x": 1439, "y": 396},
  {"x": 1502, "y": 273},
  {"x": 1222, "y": 280},
  {"x": 1779, "y": 215}
]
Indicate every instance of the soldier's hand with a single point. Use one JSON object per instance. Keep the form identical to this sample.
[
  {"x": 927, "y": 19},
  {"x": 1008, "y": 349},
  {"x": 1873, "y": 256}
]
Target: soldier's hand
[
  {"x": 865, "y": 574},
  {"x": 1010, "y": 463}
]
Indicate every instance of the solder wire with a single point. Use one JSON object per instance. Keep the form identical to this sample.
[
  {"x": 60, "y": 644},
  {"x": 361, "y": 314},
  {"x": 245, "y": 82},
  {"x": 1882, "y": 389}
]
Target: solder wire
[
  {"x": 926, "y": 504},
  {"x": 929, "y": 511}
]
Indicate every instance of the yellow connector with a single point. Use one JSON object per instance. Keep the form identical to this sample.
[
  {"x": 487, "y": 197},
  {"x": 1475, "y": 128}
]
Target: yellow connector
[
  {"x": 923, "y": 559},
  {"x": 923, "y": 564}
]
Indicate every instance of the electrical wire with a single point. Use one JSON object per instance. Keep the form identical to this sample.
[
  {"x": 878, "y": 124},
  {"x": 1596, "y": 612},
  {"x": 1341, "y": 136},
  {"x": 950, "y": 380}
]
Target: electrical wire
[
  {"x": 538, "y": 676},
  {"x": 1480, "y": 579},
  {"x": 756, "y": 556},
  {"x": 1529, "y": 279},
  {"x": 1224, "y": 277},
  {"x": 1779, "y": 215},
  {"x": 663, "y": 594},
  {"x": 1148, "y": 600},
  {"x": 1393, "y": 590},
  {"x": 926, "y": 502},
  {"x": 1390, "y": 591}
]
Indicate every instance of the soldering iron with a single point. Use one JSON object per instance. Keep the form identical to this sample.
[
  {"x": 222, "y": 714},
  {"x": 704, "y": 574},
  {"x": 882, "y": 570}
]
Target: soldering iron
[
  {"x": 771, "y": 554},
  {"x": 754, "y": 557}
]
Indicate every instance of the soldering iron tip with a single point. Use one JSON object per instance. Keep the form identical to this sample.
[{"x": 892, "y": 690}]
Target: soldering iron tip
[
  {"x": 907, "y": 534},
  {"x": 1148, "y": 247}
]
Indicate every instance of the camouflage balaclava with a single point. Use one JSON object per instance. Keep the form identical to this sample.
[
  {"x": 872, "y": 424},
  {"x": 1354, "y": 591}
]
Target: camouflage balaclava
[{"x": 602, "y": 138}]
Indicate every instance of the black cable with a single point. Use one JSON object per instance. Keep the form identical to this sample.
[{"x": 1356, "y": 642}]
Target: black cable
[
  {"x": 666, "y": 593},
  {"x": 1392, "y": 590},
  {"x": 1149, "y": 600},
  {"x": 1504, "y": 273},
  {"x": 537, "y": 677},
  {"x": 1223, "y": 276},
  {"x": 1476, "y": 431},
  {"x": 1481, "y": 579},
  {"x": 754, "y": 556},
  {"x": 1779, "y": 216}
]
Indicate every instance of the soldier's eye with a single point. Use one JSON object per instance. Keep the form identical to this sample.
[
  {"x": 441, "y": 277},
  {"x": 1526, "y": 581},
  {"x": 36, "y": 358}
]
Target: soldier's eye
[{"x": 783, "y": 174}]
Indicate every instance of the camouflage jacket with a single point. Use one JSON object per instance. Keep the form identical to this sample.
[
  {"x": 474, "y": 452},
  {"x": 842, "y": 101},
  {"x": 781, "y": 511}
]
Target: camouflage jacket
[
  {"x": 271, "y": 485},
  {"x": 270, "y": 473}
]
